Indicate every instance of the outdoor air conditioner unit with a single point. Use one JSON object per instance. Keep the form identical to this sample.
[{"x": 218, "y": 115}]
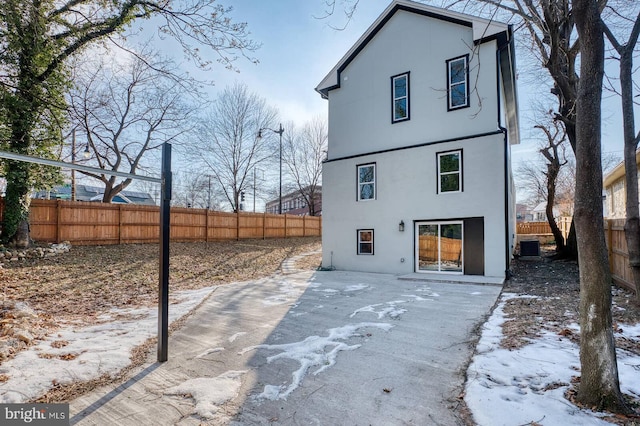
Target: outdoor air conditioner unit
[{"x": 530, "y": 248}]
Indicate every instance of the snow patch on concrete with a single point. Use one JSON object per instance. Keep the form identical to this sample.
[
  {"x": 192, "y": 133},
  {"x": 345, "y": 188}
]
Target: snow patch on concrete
[
  {"x": 309, "y": 353},
  {"x": 210, "y": 393}
]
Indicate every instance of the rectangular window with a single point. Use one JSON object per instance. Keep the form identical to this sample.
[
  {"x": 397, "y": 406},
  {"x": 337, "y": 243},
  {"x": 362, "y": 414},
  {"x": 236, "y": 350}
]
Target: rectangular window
[
  {"x": 400, "y": 97},
  {"x": 366, "y": 182},
  {"x": 458, "y": 82},
  {"x": 365, "y": 241},
  {"x": 450, "y": 171}
]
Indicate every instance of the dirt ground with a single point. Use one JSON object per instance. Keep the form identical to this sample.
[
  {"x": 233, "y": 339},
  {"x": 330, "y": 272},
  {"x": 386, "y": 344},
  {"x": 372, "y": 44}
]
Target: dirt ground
[{"x": 42, "y": 294}]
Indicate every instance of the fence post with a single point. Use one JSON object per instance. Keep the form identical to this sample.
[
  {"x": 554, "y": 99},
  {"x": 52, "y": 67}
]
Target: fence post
[
  {"x": 304, "y": 225},
  {"x": 264, "y": 225},
  {"x": 119, "y": 223},
  {"x": 238, "y": 225},
  {"x": 285, "y": 225},
  {"x": 609, "y": 225},
  {"x": 206, "y": 226},
  {"x": 58, "y": 220}
]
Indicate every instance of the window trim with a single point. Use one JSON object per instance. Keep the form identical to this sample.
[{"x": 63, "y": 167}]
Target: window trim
[
  {"x": 359, "y": 241},
  {"x": 450, "y": 84},
  {"x": 358, "y": 183},
  {"x": 394, "y": 98},
  {"x": 459, "y": 172}
]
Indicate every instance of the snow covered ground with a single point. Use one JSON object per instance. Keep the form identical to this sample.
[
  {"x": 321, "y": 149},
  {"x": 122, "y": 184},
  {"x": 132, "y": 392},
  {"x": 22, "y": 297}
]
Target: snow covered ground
[
  {"x": 80, "y": 354},
  {"x": 518, "y": 387}
]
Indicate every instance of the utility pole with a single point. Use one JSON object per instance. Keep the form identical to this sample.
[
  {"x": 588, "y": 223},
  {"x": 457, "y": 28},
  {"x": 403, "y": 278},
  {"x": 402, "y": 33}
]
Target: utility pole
[
  {"x": 73, "y": 160},
  {"x": 209, "y": 194}
]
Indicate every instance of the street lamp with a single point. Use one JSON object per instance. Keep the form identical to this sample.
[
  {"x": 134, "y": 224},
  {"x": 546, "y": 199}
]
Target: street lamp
[{"x": 280, "y": 131}]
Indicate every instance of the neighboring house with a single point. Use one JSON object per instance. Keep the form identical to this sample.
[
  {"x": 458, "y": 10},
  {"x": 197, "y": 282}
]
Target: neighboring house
[
  {"x": 523, "y": 213},
  {"x": 540, "y": 213},
  {"x": 94, "y": 193},
  {"x": 295, "y": 203},
  {"x": 615, "y": 191},
  {"x": 422, "y": 116}
]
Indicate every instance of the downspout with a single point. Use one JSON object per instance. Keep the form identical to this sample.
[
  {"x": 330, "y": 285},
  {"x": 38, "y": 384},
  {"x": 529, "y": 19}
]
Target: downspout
[{"x": 504, "y": 131}]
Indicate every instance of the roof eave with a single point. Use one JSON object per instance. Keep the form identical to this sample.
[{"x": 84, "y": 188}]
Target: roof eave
[{"x": 483, "y": 29}]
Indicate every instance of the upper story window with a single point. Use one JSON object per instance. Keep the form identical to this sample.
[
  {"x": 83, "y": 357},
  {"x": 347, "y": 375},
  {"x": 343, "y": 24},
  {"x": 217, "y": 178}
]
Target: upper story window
[
  {"x": 366, "y": 182},
  {"x": 458, "y": 82},
  {"x": 400, "y": 97},
  {"x": 450, "y": 171}
]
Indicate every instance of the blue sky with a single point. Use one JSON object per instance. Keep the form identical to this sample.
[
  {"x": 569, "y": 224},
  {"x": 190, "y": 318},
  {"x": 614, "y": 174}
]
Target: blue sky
[{"x": 298, "y": 50}]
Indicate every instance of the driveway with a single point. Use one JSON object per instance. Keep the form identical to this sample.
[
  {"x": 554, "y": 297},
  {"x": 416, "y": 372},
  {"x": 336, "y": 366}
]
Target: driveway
[{"x": 313, "y": 348}]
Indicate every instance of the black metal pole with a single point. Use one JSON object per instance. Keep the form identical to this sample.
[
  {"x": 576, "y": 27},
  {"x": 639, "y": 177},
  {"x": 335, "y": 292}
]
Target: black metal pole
[
  {"x": 165, "y": 220},
  {"x": 280, "y": 131}
]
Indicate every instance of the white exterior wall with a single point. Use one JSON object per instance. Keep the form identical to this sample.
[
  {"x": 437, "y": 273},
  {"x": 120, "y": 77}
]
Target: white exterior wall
[
  {"x": 360, "y": 110},
  {"x": 406, "y": 183},
  {"x": 361, "y": 132}
]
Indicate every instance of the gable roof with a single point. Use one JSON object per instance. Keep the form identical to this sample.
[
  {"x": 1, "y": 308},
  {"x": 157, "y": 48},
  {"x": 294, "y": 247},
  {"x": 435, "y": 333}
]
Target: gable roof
[{"x": 484, "y": 30}]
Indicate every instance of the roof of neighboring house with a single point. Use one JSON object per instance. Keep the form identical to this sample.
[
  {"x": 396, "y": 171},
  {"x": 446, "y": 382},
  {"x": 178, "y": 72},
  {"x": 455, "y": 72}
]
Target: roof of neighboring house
[
  {"x": 542, "y": 208},
  {"x": 483, "y": 30},
  {"x": 618, "y": 171},
  {"x": 94, "y": 193}
]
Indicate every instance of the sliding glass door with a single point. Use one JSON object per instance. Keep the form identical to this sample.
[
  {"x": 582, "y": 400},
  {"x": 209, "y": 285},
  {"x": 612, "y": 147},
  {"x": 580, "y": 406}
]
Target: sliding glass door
[{"x": 439, "y": 247}]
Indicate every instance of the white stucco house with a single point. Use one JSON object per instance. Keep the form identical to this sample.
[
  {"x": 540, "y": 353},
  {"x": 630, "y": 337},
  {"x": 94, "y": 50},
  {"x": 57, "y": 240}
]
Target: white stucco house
[{"x": 422, "y": 116}]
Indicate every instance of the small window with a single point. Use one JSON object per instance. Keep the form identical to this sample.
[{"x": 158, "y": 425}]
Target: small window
[
  {"x": 400, "y": 97},
  {"x": 458, "y": 82},
  {"x": 366, "y": 182},
  {"x": 450, "y": 171},
  {"x": 365, "y": 241}
]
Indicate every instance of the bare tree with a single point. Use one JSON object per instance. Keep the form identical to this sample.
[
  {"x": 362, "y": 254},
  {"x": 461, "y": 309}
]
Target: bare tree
[
  {"x": 303, "y": 153},
  {"x": 631, "y": 139},
  {"x": 192, "y": 189},
  {"x": 229, "y": 147},
  {"x": 126, "y": 111},
  {"x": 39, "y": 37},
  {"x": 554, "y": 154},
  {"x": 599, "y": 384}
]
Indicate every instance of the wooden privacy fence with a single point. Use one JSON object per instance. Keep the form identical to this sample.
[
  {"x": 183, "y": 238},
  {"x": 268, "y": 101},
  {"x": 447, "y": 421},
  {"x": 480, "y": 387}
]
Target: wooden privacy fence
[
  {"x": 616, "y": 245},
  {"x": 450, "y": 248},
  {"x": 85, "y": 223},
  {"x": 618, "y": 254},
  {"x": 543, "y": 228}
]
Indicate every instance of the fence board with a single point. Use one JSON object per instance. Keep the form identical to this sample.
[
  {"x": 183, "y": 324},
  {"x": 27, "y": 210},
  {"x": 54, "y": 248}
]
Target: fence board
[
  {"x": 86, "y": 223},
  {"x": 618, "y": 255},
  {"x": 543, "y": 228}
]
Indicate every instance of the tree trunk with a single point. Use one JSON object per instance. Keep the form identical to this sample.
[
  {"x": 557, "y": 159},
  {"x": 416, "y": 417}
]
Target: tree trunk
[
  {"x": 599, "y": 385},
  {"x": 552, "y": 174},
  {"x": 16, "y": 208}
]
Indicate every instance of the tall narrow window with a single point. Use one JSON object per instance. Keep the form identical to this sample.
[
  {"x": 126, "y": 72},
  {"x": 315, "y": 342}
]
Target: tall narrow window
[
  {"x": 400, "y": 97},
  {"x": 458, "y": 82},
  {"x": 366, "y": 182},
  {"x": 365, "y": 241},
  {"x": 450, "y": 171}
]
